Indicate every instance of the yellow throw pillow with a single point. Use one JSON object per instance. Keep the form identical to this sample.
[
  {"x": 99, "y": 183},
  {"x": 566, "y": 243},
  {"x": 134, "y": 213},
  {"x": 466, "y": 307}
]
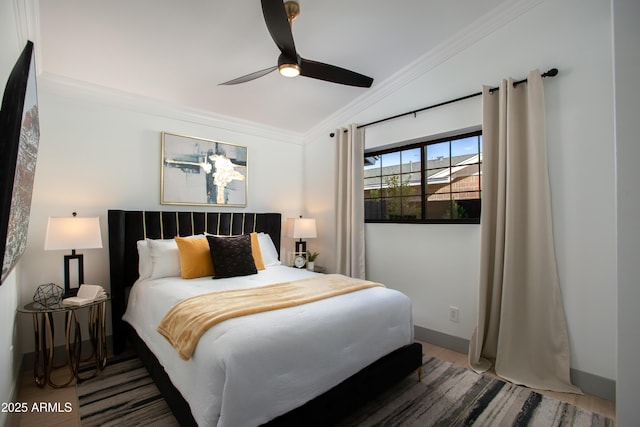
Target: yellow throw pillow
[
  {"x": 255, "y": 251},
  {"x": 195, "y": 257}
]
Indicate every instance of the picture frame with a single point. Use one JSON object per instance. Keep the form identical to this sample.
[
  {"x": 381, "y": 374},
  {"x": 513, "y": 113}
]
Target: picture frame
[
  {"x": 19, "y": 141},
  {"x": 199, "y": 171}
]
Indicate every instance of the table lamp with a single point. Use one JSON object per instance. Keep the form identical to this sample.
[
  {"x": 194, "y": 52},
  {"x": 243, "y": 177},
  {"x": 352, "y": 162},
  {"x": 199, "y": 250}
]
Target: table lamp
[
  {"x": 301, "y": 228},
  {"x": 72, "y": 233}
]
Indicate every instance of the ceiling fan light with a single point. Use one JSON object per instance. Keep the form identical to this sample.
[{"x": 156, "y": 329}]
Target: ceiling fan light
[{"x": 289, "y": 70}]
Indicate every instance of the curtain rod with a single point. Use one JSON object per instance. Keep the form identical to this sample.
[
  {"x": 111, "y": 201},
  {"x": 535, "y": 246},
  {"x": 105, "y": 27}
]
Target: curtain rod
[{"x": 551, "y": 73}]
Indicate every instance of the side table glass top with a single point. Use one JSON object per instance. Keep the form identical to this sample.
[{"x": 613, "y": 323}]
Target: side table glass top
[{"x": 36, "y": 307}]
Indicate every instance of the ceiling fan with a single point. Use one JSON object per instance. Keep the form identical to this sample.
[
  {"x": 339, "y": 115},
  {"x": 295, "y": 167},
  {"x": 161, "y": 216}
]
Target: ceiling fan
[{"x": 279, "y": 19}]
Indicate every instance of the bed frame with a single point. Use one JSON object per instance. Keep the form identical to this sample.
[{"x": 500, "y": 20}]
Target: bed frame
[{"x": 127, "y": 227}]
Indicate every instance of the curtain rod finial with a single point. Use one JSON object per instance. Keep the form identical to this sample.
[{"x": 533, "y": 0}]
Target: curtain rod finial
[{"x": 551, "y": 73}]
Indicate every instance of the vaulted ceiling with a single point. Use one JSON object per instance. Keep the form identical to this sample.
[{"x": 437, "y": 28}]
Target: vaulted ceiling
[{"x": 178, "y": 52}]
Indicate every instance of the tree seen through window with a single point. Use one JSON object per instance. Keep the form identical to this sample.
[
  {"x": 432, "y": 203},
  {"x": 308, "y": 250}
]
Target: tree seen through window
[{"x": 432, "y": 181}]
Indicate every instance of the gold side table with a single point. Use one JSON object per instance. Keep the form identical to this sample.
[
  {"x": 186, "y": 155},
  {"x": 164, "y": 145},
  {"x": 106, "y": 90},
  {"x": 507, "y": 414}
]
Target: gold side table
[{"x": 44, "y": 333}]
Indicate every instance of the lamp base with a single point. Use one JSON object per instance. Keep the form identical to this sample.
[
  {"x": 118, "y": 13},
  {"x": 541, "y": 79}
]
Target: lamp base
[
  {"x": 301, "y": 247},
  {"x": 68, "y": 290},
  {"x": 72, "y": 292}
]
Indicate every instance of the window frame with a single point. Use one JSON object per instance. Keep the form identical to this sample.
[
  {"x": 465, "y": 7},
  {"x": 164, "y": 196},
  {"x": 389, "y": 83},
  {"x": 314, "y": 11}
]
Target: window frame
[{"x": 422, "y": 146}]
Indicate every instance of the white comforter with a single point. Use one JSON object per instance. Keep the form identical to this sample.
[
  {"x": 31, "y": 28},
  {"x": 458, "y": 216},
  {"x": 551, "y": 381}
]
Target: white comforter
[{"x": 247, "y": 371}]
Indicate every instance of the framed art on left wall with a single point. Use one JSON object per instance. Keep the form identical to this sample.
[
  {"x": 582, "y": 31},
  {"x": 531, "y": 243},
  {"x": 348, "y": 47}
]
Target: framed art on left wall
[
  {"x": 19, "y": 141},
  {"x": 198, "y": 171}
]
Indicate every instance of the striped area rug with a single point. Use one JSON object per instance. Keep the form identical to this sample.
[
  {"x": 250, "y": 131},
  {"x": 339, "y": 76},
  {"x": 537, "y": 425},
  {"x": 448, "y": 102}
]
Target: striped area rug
[
  {"x": 123, "y": 395},
  {"x": 454, "y": 396}
]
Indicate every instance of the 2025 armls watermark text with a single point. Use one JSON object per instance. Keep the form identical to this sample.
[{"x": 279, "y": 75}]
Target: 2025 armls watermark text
[{"x": 49, "y": 407}]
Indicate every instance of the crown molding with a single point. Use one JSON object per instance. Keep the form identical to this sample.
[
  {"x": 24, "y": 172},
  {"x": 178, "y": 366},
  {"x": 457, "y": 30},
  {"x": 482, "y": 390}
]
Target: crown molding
[
  {"x": 27, "y": 18},
  {"x": 477, "y": 30},
  {"x": 77, "y": 89}
]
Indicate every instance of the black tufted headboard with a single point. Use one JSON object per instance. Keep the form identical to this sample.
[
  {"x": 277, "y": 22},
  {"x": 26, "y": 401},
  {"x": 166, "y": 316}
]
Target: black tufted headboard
[{"x": 127, "y": 227}]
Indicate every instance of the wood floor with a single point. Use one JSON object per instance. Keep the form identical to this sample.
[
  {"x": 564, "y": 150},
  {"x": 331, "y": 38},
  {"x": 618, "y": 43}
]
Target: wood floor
[{"x": 30, "y": 393}]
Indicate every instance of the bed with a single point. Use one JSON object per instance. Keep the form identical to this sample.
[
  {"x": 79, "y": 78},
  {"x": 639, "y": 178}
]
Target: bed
[{"x": 308, "y": 364}]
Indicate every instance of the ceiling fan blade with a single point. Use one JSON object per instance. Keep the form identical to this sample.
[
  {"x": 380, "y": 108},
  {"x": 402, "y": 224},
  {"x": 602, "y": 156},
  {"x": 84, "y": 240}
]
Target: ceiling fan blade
[
  {"x": 331, "y": 73},
  {"x": 275, "y": 16},
  {"x": 250, "y": 77}
]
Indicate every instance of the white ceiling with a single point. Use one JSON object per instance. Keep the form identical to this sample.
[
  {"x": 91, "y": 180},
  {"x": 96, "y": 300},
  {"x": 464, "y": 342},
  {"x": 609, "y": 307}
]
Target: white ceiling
[{"x": 178, "y": 52}]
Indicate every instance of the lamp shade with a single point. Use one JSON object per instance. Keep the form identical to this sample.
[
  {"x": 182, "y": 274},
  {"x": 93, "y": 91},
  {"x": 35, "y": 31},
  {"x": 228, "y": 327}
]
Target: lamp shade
[
  {"x": 301, "y": 228},
  {"x": 73, "y": 233}
]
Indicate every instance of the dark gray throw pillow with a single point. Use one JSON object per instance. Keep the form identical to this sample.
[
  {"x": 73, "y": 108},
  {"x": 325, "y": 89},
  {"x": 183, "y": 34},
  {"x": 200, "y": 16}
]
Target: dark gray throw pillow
[{"x": 231, "y": 256}]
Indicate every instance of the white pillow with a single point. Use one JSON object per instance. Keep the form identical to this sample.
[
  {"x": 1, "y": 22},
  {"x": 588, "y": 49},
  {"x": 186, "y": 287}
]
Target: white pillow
[
  {"x": 144, "y": 259},
  {"x": 165, "y": 258},
  {"x": 268, "y": 249}
]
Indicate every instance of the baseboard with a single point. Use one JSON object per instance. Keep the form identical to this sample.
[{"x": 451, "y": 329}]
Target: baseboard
[
  {"x": 440, "y": 339},
  {"x": 594, "y": 384},
  {"x": 589, "y": 383}
]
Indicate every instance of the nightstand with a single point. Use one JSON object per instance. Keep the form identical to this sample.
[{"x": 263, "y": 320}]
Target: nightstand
[{"x": 44, "y": 333}]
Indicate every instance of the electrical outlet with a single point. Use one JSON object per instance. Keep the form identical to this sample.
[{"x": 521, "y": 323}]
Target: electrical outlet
[{"x": 454, "y": 314}]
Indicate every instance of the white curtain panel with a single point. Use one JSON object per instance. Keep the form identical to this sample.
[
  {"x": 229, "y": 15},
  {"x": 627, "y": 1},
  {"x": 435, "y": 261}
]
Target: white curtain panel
[
  {"x": 521, "y": 327},
  {"x": 350, "y": 202}
]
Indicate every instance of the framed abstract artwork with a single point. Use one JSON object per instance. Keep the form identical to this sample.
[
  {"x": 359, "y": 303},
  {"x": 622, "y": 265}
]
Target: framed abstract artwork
[
  {"x": 198, "y": 171},
  {"x": 19, "y": 140}
]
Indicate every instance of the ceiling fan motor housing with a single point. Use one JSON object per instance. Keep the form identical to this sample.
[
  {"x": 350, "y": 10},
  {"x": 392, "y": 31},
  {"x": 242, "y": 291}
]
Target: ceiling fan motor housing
[{"x": 287, "y": 66}]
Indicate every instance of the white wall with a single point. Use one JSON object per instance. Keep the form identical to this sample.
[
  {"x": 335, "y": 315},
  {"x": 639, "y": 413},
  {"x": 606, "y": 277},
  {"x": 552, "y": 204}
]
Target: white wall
[
  {"x": 627, "y": 97},
  {"x": 97, "y": 153},
  {"x": 437, "y": 265},
  {"x": 10, "y": 356}
]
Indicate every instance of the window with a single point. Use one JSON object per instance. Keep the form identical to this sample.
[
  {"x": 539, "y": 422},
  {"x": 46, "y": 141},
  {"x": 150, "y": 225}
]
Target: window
[{"x": 434, "y": 181}]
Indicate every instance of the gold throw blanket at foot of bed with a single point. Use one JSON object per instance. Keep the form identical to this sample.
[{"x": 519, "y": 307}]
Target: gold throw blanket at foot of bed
[{"x": 189, "y": 319}]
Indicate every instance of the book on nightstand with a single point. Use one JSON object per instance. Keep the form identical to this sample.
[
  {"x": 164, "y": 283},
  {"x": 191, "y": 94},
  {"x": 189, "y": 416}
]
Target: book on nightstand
[{"x": 86, "y": 294}]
